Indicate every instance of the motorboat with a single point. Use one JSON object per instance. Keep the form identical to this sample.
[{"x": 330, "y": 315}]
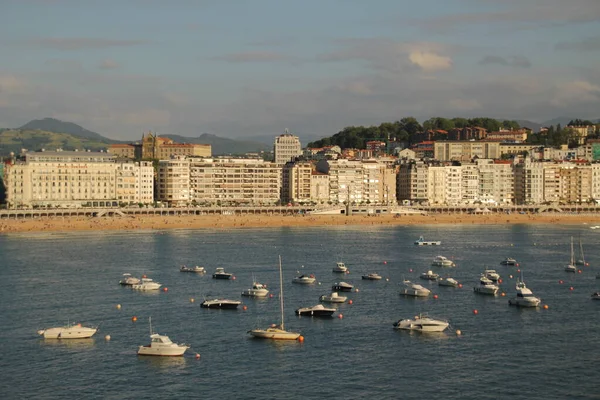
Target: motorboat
[
  {"x": 448, "y": 282},
  {"x": 304, "y": 279},
  {"x": 441, "y": 261},
  {"x": 596, "y": 296},
  {"x": 70, "y": 331},
  {"x": 429, "y": 276},
  {"x": 571, "y": 266},
  {"x": 334, "y": 297},
  {"x": 257, "y": 290},
  {"x": 342, "y": 287},
  {"x": 161, "y": 345},
  {"x": 221, "y": 303},
  {"x": 414, "y": 289},
  {"x": 221, "y": 274},
  {"x": 491, "y": 274},
  {"x": 340, "y": 267},
  {"x": 423, "y": 242},
  {"x": 129, "y": 280},
  {"x": 525, "y": 297},
  {"x": 422, "y": 324},
  {"x": 509, "y": 261},
  {"x": 372, "y": 277},
  {"x": 146, "y": 284},
  {"x": 316, "y": 311},
  {"x": 197, "y": 269},
  {"x": 486, "y": 286}
]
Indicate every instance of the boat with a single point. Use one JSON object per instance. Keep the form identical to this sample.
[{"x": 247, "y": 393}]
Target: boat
[
  {"x": 221, "y": 303},
  {"x": 147, "y": 284},
  {"x": 448, "y": 282},
  {"x": 596, "y": 296},
  {"x": 304, "y": 279},
  {"x": 257, "y": 290},
  {"x": 525, "y": 297},
  {"x": 340, "y": 267},
  {"x": 316, "y": 311},
  {"x": 571, "y": 266},
  {"x": 491, "y": 274},
  {"x": 197, "y": 269},
  {"x": 429, "y": 276},
  {"x": 276, "y": 332},
  {"x": 161, "y": 345},
  {"x": 441, "y": 261},
  {"x": 334, "y": 297},
  {"x": 581, "y": 260},
  {"x": 372, "y": 277},
  {"x": 414, "y": 289},
  {"x": 221, "y": 274},
  {"x": 486, "y": 286},
  {"x": 422, "y": 324},
  {"x": 70, "y": 331},
  {"x": 509, "y": 261},
  {"x": 342, "y": 287},
  {"x": 423, "y": 242},
  {"x": 129, "y": 280}
]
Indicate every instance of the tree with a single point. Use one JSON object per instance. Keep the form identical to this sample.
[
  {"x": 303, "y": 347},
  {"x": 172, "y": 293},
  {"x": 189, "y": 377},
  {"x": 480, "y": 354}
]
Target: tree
[{"x": 411, "y": 125}]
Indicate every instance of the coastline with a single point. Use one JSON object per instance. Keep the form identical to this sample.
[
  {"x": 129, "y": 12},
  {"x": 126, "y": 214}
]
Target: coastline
[{"x": 68, "y": 224}]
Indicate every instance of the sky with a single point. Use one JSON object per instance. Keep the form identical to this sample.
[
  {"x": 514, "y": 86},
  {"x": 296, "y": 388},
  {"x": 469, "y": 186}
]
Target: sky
[{"x": 243, "y": 68}]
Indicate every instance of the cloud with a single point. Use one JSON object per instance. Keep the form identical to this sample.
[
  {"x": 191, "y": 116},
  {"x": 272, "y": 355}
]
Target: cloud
[
  {"x": 253, "y": 57},
  {"x": 575, "y": 92},
  {"x": 428, "y": 61},
  {"x": 512, "y": 61},
  {"x": 108, "y": 64},
  {"x": 585, "y": 45},
  {"x": 71, "y": 44}
]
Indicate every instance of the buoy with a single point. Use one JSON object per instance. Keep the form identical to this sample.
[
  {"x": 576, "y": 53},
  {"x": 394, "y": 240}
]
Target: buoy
[
  {"x": 410, "y": 270},
  {"x": 118, "y": 306},
  {"x": 165, "y": 289},
  {"x": 511, "y": 245},
  {"x": 387, "y": 279},
  {"x": 460, "y": 285},
  {"x": 571, "y": 288},
  {"x": 301, "y": 339},
  {"x": 385, "y": 262},
  {"x": 197, "y": 356},
  {"x": 578, "y": 271},
  {"x": 107, "y": 338},
  {"x": 319, "y": 283},
  {"x": 245, "y": 308},
  {"x": 134, "y": 318},
  {"x": 233, "y": 278},
  {"x": 435, "y": 296},
  {"x": 273, "y": 325},
  {"x": 144, "y": 276},
  {"x": 192, "y": 300},
  {"x": 475, "y": 312},
  {"x": 587, "y": 264},
  {"x": 502, "y": 294},
  {"x": 545, "y": 306},
  {"x": 347, "y": 271},
  {"x": 561, "y": 282},
  {"x": 510, "y": 276},
  {"x": 517, "y": 264},
  {"x": 340, "y": 316},
  {"x": 356, "y": 290},
  {"x": 500, "y": 280},
  {"x": 271, "y": 295},
  {"x": 518, "y": 270},
  {"x": 458, "y": 332},
  {"x": 349, "y": 301}
]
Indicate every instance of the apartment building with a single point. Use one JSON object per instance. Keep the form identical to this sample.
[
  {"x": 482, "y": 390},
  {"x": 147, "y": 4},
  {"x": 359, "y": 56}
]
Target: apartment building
[
  {"x": 286, "y": 148},
  {"x": 412, "y": 181},
  {"x": 465, "y": 150},
  {"x": 173, "y": 181},
  {"x": 296, "y": 181},
  {"x": 153, "y": 146}
]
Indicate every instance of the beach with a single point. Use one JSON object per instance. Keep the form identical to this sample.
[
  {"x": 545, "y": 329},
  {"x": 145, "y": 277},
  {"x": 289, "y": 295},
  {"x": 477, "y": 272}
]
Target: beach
[{"x": 145, "y": 222}]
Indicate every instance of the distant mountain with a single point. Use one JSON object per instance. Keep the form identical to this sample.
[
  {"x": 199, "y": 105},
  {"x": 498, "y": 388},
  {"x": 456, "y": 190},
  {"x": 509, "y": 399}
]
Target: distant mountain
[
  {"x": 223, "y": 146},
  {"x": 13, "y": 140},
  {"x": 58, "y": 126},
  {"x": 534, "y": 126}
]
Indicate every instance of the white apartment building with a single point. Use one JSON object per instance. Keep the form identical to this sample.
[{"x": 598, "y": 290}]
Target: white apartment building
[
  {"x": 286, "y": 148},
  {"x": 76, "y": 179},
  {"x": 413, "y": 182},
  {"x": 296, "y": 182},
  {"x": 173, "y": 181}
]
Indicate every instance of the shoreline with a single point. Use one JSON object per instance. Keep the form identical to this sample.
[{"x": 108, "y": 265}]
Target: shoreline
[{"x": 71, "y": 224}]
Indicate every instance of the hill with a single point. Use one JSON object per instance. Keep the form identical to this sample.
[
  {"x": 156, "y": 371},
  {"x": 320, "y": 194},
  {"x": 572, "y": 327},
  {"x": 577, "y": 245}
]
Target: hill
[
  {"x": 534, "y": 126},
  {"x": 13, "y": 140},
  {"x": 223, "y": 146},
  {"x": 58, "y": 126}
]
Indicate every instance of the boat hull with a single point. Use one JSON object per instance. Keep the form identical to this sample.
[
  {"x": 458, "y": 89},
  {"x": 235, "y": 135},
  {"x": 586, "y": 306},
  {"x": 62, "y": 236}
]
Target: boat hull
[
  {"x": 222, "y": 276},
  {"x": 255, "y": 293},
  {"x": 304, "y": 281},
  {"x": 162, "y": 352},
  {"x": 328, "y": 299},
  {"x": 68, "y": 333},
  {"x": 422, "y": 326},
  {"x": 316, "y": 313},
  {"x": 274, "y": 334},
  {"x": 223, "y": 305},
  {"x": 371, "y": 277},
  {"x": 415, "y": 293},
  {"x": 486, "y": 290},
  {"x": 519, "y": 302}
]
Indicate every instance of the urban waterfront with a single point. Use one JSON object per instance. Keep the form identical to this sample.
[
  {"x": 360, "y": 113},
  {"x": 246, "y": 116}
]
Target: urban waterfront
[{"x": 52, "y": 278}]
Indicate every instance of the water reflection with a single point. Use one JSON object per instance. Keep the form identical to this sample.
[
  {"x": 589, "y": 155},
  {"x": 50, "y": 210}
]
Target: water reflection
[
  {"x": 70, "y": 343},
  {"x": 163, "y": 362}
]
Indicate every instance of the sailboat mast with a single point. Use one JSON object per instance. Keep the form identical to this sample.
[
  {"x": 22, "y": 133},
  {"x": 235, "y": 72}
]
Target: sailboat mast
[
  {"x": 150, "y": 324},
  {"x": 572, "y": 255},
  {"x": 281, "y": 291},
  {"x": 581, "y": 250}
]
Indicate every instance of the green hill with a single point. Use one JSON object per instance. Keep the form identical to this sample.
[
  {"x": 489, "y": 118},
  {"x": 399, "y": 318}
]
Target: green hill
[
  {"x": 13, "y": 140},
  {"x": 58, "y": 126}
]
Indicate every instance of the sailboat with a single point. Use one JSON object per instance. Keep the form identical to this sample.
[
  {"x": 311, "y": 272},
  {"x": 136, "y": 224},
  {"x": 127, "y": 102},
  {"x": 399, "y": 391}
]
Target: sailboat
[
  {"x": 276, "y": 332},
  {"x": 581, "y": 261},
  {"x": 571, "y": 266}
]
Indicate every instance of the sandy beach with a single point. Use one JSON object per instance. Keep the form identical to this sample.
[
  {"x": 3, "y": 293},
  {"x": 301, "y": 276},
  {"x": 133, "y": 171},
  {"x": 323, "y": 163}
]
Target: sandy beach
[{"x": 65, "y": 224}]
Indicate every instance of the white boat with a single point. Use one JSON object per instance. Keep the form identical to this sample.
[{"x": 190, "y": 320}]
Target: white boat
[
  {"x": 161, "y": 345},
  {"x": 581, "y": 260},
  {"x": 423, "y": 242},
  {"x": 422, "y": 324},
  {"x": 340, "y": 267},
  {"x": 486, "y": 286},
  {"x": 221, "y": 303},
  {"x": 372, "y": 277},
  {"x": 571, "y": 266},
  {"x": 525, "y": 297},
  {"x": 221, "y": 274},
  {"x": 334, "y": 297},
  {"x": 429, "y": 276},
  {"x": 448, "y": 282},
  {"x": 342, "y": 287},
  {"x": 71, "y": 331},
  {"x": 491, "y": 274},
  {"x": 509, "y": 261},
  {"x": 257, "y": 290},
  {"x": 304, "y": 279},
  {"x": 441, "y": 261},
  {"x": 197, "y": 269},
  {"x": 414, "y": 289},
  {"x": 596, "y": 296},
  {"x": 316, "y": 311},
  {"x": 276, "y": 332},
  {"x": 129, "y": 280},
  {"x": 147, "y": 284}
]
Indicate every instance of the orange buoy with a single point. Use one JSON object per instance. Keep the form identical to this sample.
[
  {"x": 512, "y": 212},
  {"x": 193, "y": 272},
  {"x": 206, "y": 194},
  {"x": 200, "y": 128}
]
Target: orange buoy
[
  {"x": 118, "y": 306},
  {"x": 356, "y": 290},
  {"x": 107, "y": 338},
  {"x": 245, "y": 308},
  {"x": 545, "y": 306},
  {"x": 271, "y": 295},
  {"x": 192, "y": 300},
  {"x": 518, "y": 270},
  {"x": 460, "y": 285},
  {"x": 435, "y": 296},
  {"x": 502, "y": 294},
  {"x": 144, "y": 276},
  {"x": 233, "y": 278},
  {"x": 578, "y": 271},
  {"x": 500, "y": 280},
  {"x": 517, "y": 264},
  {"x": 197, "y": 356},
  {"x": 165, "y": 289},
  {"x": 587, "y": 264},
  {"x": 347, "y": 271},
  {"x": 571, "y": 288},
  {"x": 410, "y": 270},
  {"x": 349, "y": 301},
  {"x": 510, "y": 276},
  {"x": 458, "y": 332},
  {"x": 301, "y": 339},
  {"x": 561, "y": 282},
  {"x": 475, "y": 312},
  {"x": 134, "y": 318},
  {"x": 340, "y": 316}
]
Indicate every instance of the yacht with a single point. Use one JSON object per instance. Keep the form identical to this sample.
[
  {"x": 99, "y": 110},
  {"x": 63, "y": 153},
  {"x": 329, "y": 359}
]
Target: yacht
[
  {"x": 316, "y": 311},
  {"x": 429, "y": 276},
  {"x": 129, "y": 280},
  {"x": 147, "y": 284},
  {"x": 486, "y": 286},
  {"x": 448, "y": 282},
  {"x": 414, "y": 289},
  {"x": 333, "y": 298},
  {"x": 509, "y": 261},
  {"x": 340, "y": 267},
  {"x": 596, "y": 296},
  {"x": 491, "y": 274},
  {"x": 571, "y": 266},
  {"x": 221, "y": 303},
  {"x": 441, "y": 261},
  {"x": 372, "y": 277},
  {"x": 525, "y": 297},
  {"x": 161, "y": 345},
  {"x": 71, "y": 331},
  {"x": 422, "y": 324},
  {"x": 257, "y": 290},
  {"x": 304, "y": 279},
  {"x": 197, "y": 269},
  {"x": 221, "y": 274},
  {"x": 423, "y": 242},
  {"x": 342, "y": 287}
]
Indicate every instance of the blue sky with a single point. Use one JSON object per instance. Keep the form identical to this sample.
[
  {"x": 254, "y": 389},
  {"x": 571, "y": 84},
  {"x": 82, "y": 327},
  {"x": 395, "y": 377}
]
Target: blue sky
[{"x": 246, "y": 68}]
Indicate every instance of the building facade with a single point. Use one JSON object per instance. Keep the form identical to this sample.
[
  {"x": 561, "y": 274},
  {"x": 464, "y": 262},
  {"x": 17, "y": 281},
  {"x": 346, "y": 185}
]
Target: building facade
[
  {"x": 156, "y": 147},
  {"x": 286, "y": 148}
]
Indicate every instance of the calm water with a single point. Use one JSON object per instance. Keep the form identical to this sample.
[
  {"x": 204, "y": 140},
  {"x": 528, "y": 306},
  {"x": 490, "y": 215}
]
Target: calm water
[{"x": 504, "y": 352}]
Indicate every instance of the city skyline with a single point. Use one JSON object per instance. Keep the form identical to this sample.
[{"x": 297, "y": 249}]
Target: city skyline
[{"x": 237, "y": 69}]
